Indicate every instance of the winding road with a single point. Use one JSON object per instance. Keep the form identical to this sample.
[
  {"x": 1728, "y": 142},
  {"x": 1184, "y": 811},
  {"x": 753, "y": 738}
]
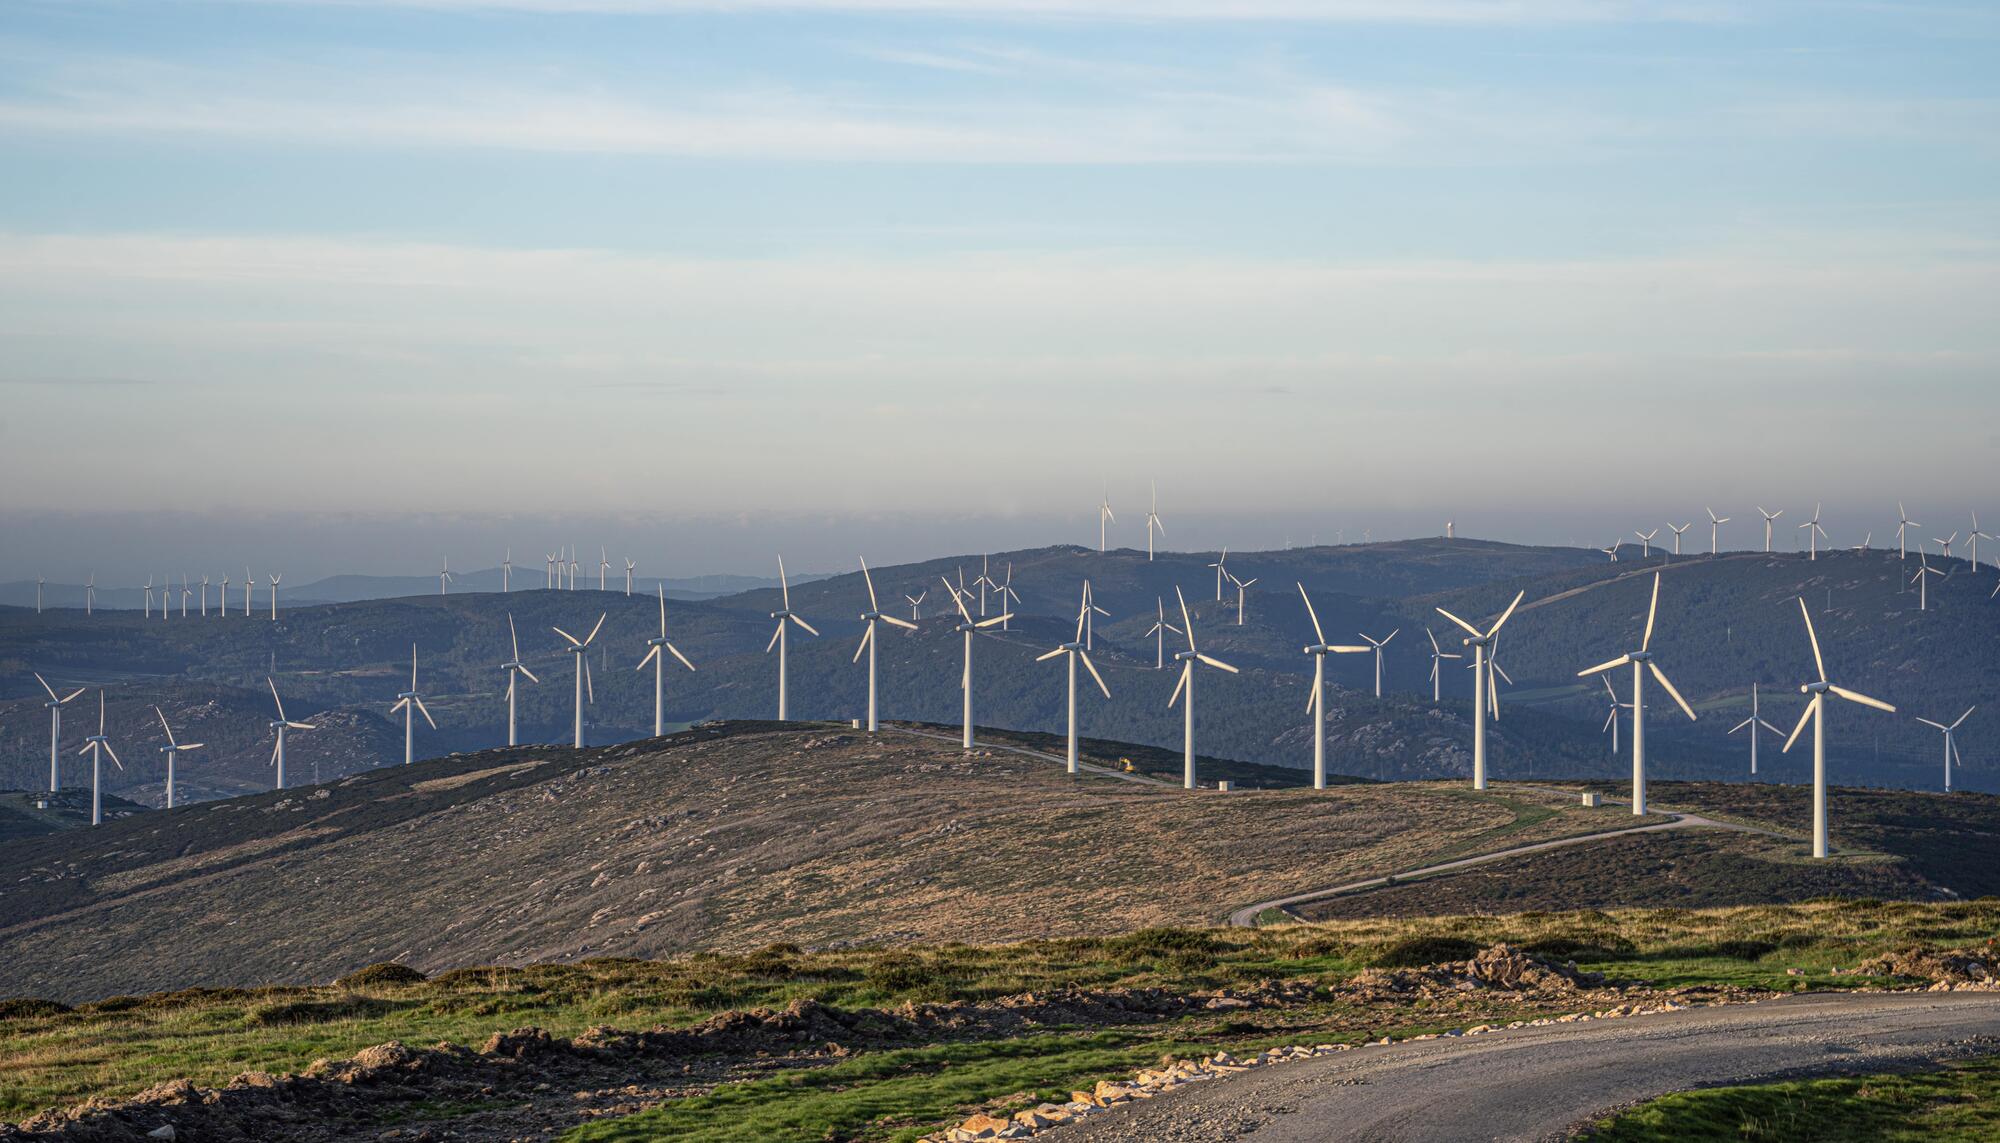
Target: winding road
[{"x": 1540, "y": 1083}]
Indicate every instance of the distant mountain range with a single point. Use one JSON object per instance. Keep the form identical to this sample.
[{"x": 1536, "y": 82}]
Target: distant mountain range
[
  {"x": 1724, "y": 623},
  {"x": 354, "y": 588}
]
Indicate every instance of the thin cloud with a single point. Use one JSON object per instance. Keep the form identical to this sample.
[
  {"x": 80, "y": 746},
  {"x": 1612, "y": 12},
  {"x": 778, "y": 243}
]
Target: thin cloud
[{"x": 1468, "y": 12}]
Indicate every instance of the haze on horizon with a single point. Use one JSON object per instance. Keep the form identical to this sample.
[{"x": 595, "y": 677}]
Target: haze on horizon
[{"x": 322, "y": 282}]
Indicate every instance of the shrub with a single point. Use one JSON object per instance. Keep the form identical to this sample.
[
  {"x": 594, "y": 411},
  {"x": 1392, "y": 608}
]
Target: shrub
[
  {"x": 26, "y": 1007},
  {"x": 904, "y": 973},
  {"x": 386, "y": 972},
  {"x": 1415, "y": 952},
  {"x": 1580, "y": 944},
  {"x": 281, "y": 1013},
  {"x": 1190, "y": 947}
]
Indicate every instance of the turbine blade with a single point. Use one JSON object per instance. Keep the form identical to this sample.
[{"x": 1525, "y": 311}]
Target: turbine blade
[
  {"x": 566, "y": 635},
  {"x": 1812, "y": 708},
  {"x": 1186, "y": 666},
  {"x": 1092, "y": 668},
  {"x": 651, "y": 654},
  {"x": 677, "y": 654},
  {"x": 1602, "y": 667},
  {"x": 895, "y": 622},
  {"x": 1818, "y": 661},
  {"x": 1050, "y": 655},
  {"x": 425, "y": 711},
  {"x": 1507, "y": 614},
  {"x": 866, "y": 635},
  {"x": 1864, "y": 700},
  {"x": 809, "y": 627},
  {"x": 513, "y": 637},
  {"x": 996, "y": 620},
  {"x": 529, "y": 673},
  {"x": 1475, "y": 632},
  {"x": 774, "y": 637},
  {"x": 870, "y": 581},
  {"x": 594, "y": 630},
  {"x": 1652, "y": 612},
  {"x": 46, "y": 686},
  {"x": 1218, "y": 664},
  {"x": 1661, "y": 677}
]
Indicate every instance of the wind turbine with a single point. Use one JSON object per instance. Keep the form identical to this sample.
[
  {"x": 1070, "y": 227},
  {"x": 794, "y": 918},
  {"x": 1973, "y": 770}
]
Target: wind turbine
[
  {"x": 916, "y": 603},
  {"x": 581, "y": 649},
  {"x": 222, "y": 602},
  {"x": 968, "y": 627},
  {"x": 1158, "y": 631},
  {"x": 1153, "y": 521},
  {"x": 630, "y": 567},
  {"x": 1438, "y": 656},
  {"x": 1090, "y": 613},
  {"x": 1976, "y": 536},
  {"x": 170, "y": 749},
  {"x": 411, "y": 704},
  {"x": 92, "y": 746},
  {"x": 204, "y": 597},
  {"x": 1951, "y": 757},
  {"x": 1482, "y": 682},
  {"x": 1008, "y": 596},
  {"x": 1641, "y": 662},
  {"x": 1074, "y": 649},
  {"x": 1755, "y": 723},
  {"x": 149, "y": 598},
  {"x": 1923, "y": 581},
  {"x": 1611, "y": 719},
  {"x": 603, "y": 568},
  {"x": 1863, "y": 545},
  {"x": 1378, "y": 644},
  {"x": 1316, "y": 705},
  {"x": 55, "y": 705},
  {"x": 249, "y": 590},
  {"x": 1220, "y": 571},
  {"x": 982, "y": 583},
  {"x": 185, "y": 593},
  {"x": 276, "y": 579},
  {"x": 1769, "y": 519},
  {"x": 1612, "y": 551},
  {"x": 549, "y": 570},
  {"x": 871, "y": 616},
  {"x": 574, "y": 567},
  {"x": 1242, "y": 590},
  {"x": 1903, "y": 526},
  {"x": 1646, "y": 543},
  {"x": 1813, "y": 534},
  {"x": 445, "y": 576},
  {"x": 281, "y": 724},
  {"x": 659, "y": 662},
  {"x": 514, "y": 667},
  {"x": 39, "y": 581},
  {"x": 778, "y": 637},
  {"x": 1104, "y": 517},
  {"x": 89, "y": 592},
  {"x": 1816, "y": 713},
  {"x": 507, "y": 572},
  {"x": 1678, "y": 533},
  {"x": 1715, "y": 524},
  {"x": 1187, "y": 660},
  {"x": 1944, "y": 544}
]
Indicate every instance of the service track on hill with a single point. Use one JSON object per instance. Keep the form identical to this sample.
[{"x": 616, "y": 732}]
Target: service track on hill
[{"x": 1540, "y": 1082}]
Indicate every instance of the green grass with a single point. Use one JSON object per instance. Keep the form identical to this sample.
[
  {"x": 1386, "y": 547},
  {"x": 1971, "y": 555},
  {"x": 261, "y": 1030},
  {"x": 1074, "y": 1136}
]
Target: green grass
[{"x": 1961, "y": 1102}]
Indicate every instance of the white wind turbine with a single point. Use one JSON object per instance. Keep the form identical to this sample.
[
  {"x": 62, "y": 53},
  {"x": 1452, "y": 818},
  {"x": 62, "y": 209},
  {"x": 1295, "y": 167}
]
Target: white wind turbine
[
  {"x": 549, "y": 570},
  {"x": 1611, "y": 718},
  {"x": 1438, "y": 656},
  {"x": 1943, "y": 544},
  {"x": 1104, "y": 517},
  {"x": 873, "y": 615},
  {"x": 249, "y": 591},
  {"x": 281, "y": 724},
  {"x": 1755, "y": 724},
  {"x": 581, "y": 649},
  {"x": 784, "y": 615},
  {"x": 412, "y": 704},
  {"x": 1951, "y": 756},
  {"x": 1612, "y": 551},
  {"x": 1678, "y": 533},
  {"x": 170, "y": 749},
  {"x": 185, "y": 593},
  {"x": 1865, "y": 540},
  {"x": 39, "y": 581},
  {"x": 1813, "y": 534},
  {"x": 574, "y": 567},
  {"x": 1316, "y": 705},
  {"x": 1715, "y": 524},
  {"x": 96, "y": 746},
  {"x": 55, "y": 704},
  {"x": 1075, "y": 651},
  {"x": 89, "y": 593},
  {"x": 1646, "y": 543},
  {"x": 1187, "y": 660},
  {"x": 507, "y": 572},
  {"x": 204, "y": 597},
  {"x": 276, "y": 579},
  {"x": 1923, "y": 581},
  {"x": 1641, "y": 662},
  {"x": 968, "y": 626},
  {"x": 1153, "y": 521},
  {"x": 1008, "y": 596},
  {"x": 1242, "y": 591},
  {"x": 983, "y": 582},
  {"x": 1975, "y": 536},
  {"x": 514, "y": 667},
  {"x": 1090, "y": 613},
  {"x": 1769, "y": 519},
  {"x": 1378, "y": 644},
  {"x": 1483, "y": 686},
  {"x": 1816, "y": 713},
  {"x": 1158, "y": 631},
  {"x": 916, "y": 603},
  {"x": 1220, "y": 571},
  {"x": 149, "y": 597},
  {"x": 603, "y": 568},
  {"x": 631, "y": 567},
  {"x": 659, "y": 661},
  {"x": 445, "y": 576},
  {"x": 1903, "y": 526}
]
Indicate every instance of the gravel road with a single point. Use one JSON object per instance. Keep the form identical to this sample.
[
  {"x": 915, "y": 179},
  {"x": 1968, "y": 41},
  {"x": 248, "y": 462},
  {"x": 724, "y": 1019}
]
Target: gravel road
[{"x": 1539, "y": 1083}]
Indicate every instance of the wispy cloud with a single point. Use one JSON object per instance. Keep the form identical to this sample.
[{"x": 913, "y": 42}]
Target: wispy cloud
[{"x": 1475, "y": 12}]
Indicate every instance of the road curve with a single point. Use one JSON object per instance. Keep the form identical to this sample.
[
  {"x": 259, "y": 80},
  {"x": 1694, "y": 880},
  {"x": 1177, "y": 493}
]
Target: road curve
[{"x": 1540, "y": 1083}]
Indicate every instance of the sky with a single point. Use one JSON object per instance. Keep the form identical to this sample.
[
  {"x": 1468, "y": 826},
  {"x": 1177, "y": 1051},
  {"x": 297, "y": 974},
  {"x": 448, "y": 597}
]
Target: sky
[{"x": 349, "y": 282}]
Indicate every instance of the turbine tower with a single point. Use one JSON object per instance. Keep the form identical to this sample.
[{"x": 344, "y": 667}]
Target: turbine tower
[
  {"x": 630, "y": 567},
  {"x": 170, "y": 749},
  {"x": 1187, "y": 660},
  {"x": 1715, "y": 524},
  {"x": 1104, "y": 517},
  {"x": 411, "y": 704},
  {"x": 1923, "y": 581},
  {"x": 784, "y": 615},
  {"x": 514, "y": 667},
  {"x": 507, "y": 572},
  {"x": 1438, "y": 656},
  {"x": 1153, "y": 521},
  {"x": 1074, "y": 649},
  {"x": 1951, "y": 757},
  {"x": 55, "y": 704},
  {"x": 1642, "y": 661},
  {"x": 1975, "y": 536},
  {"x": 149, "y": 597},
  {"x": 276, "y": 579},
  {"x": 1090, "y": 613},
  {"x": 1769, "y": 519},
  {"x": 1316, "y": 705},
  {"x": 89, "y": 592},
  {"x": 1008, "y": 596},
  {"x": 1646, "y": 543},
  {"x": 1755, "y": 724},
  {"x": 185, "y": 593},
  {"x": 659, "y": 661},
  {"x": 1813, "y": 534},
  {"x": 1242, "y": 592},
  {"x": 281, "y": 724},
  {"x": 445, "y": 576},
  {"x": 204, "y": 597},
  {"x": 1158, "y": 631},
  {"x": 581, "y": 649},
  {"x": 1678, "y": 533},
  {"x": 1816, "y": 714},
  {"x": 1903, "y": 526},
  {"x": 1611, "y": 719},
  {"x": 968, "y": 626},
  {"x": 916, "y": 603},
  {"x": 1482, "y": 682},
  {"x": 98, "y": 745},
  {"x": 1220, "y": 571},
  {"x": 222, "y": 601},
  {"x": 249, "y": 590},
  {"x": 1378, "y": 644},
  {"x": 39, "y": 581},
  {"x": 870, "y": 617}
]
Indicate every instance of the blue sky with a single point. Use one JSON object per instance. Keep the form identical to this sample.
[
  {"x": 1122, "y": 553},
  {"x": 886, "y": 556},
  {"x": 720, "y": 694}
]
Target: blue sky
[{"x": 410, "y": 243}]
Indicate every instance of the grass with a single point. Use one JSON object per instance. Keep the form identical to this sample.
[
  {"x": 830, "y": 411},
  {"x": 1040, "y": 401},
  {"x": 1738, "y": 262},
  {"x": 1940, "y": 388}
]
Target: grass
[
  {"x": 124, "y": 1044},
  {"x": 1960, "y": 1102}
]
